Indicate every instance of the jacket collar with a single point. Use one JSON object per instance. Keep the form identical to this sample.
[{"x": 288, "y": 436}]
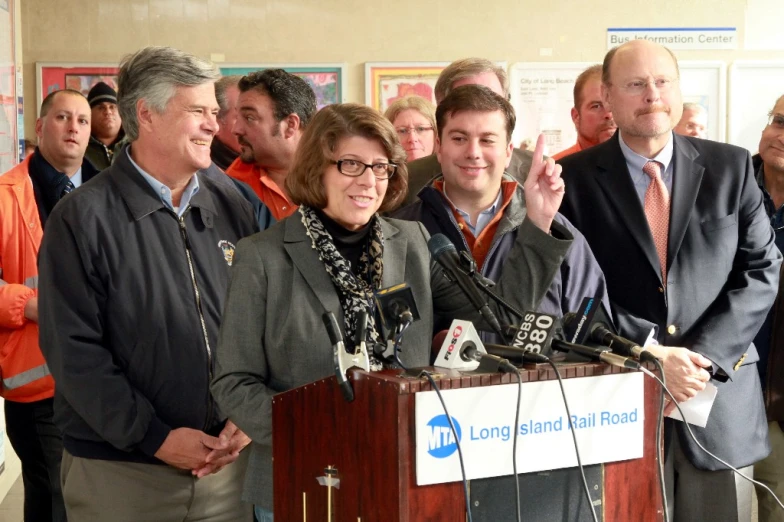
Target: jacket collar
[{"x": 142, "y": 200}]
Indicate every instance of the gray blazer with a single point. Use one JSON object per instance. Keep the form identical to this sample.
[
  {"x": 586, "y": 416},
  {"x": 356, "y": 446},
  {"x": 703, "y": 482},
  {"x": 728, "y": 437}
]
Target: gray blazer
[{"x": 273, "y": 339}]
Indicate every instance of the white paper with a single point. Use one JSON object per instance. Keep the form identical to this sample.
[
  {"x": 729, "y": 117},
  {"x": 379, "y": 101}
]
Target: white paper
[{"x": 697, "y": 408}]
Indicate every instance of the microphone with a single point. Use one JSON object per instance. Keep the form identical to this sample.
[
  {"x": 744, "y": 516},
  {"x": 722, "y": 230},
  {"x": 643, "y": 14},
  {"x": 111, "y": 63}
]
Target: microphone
[
  {"x": 487, "y": 361},
  {"x": 396, "y": 305},
  {"x": 343, "y": 359},
  {"x": 601, "y": 334},
  {"x": 597, "y": 354},
  {"x": 444, "y": 253}
]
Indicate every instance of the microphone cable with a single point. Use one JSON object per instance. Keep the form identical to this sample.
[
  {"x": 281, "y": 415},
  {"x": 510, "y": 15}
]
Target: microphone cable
[
  {"x": 398, "y": 339},
  {"x": 659, "y": 445},
  {"x": 714, "y": 457}
]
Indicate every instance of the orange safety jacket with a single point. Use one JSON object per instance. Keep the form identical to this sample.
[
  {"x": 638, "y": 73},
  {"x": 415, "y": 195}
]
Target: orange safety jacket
[{"x": 25, "y": 375}]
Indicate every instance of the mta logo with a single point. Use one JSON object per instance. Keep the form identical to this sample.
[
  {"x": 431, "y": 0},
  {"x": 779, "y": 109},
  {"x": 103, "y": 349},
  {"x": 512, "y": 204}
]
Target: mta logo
[{"x": 440, "y": 440}]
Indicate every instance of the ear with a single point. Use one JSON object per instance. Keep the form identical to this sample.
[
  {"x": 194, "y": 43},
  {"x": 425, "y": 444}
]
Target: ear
[
  {"x": 437, "y": 148},
  {"x": 144, "y": 114},
  {"x": 39, "y": 126},
  {"x": 290, "y": 125},
  {"x": 606, "y": 98},
  {"x": 575, "y": 117}
]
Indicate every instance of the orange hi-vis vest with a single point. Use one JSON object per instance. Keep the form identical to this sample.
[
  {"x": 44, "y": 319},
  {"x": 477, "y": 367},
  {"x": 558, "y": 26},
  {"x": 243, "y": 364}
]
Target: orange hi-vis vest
[{"x": 25, "y": 375}]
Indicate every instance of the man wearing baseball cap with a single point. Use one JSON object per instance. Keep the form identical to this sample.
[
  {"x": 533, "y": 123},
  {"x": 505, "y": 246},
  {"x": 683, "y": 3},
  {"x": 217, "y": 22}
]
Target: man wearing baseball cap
[{"x": 106, "y": 125}]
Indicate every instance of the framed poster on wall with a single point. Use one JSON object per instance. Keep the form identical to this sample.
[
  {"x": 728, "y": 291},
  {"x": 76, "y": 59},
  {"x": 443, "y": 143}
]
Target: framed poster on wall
[
  {"x": 705, "y": 83},
  {"x": 754, "y": 88},
  {"x": 326, "y": 79},
  {"x": 542, "y": 96},
  {"x": 53, "y": 76},
  {"x": 11, "y": 131},
  {"x": 385, "y": 82}
]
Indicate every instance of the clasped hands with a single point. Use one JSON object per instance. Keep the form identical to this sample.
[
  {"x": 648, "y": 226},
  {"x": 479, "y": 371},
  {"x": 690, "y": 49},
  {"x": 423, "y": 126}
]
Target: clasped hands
[
  {"x": 685, "y": 371},
  {"x": 186, "y": 448}
]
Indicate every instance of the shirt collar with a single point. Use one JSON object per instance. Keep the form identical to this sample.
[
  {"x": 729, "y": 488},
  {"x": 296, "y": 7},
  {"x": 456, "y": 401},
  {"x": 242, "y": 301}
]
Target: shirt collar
[
  {"x": 491, "y": 210},
  {"x": 638, "y": 161},
  {"x": 76, "y": 179},
  {"x": 165, "y": 192}
]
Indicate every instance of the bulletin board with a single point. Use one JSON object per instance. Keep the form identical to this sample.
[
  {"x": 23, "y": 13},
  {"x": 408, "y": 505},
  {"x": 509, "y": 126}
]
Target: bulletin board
[{"x": 542, "y": 96}]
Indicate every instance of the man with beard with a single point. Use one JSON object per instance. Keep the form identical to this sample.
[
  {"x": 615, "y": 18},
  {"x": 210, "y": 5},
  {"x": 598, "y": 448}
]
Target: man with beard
[
  {"x": 106, "y": 130},
  {"x": 679, "y": 228},
  {"x": 592, "y": 119},
  {"x": 274, "y": 108}
]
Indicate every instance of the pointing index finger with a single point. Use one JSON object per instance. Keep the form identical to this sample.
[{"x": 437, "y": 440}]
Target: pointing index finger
[{"x": 539, "y": 150}]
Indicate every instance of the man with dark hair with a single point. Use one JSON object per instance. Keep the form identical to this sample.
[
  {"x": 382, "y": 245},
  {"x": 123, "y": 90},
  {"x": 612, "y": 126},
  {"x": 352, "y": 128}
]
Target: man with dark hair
[
  {"x": 480, "y": 208},
  {"x": 770, "y": 339},
  {"x": 28, "y": 193},
  {"x": 679, "y": 228},
  {"x": 468, "y": 71},
  {"x": 225, "y": 147},
  {"x": 274, "y": 108},
  {"x": 134, "y": 272},
  {"x": 106, "y": 130},
  {"x": 592, "y": 120}
]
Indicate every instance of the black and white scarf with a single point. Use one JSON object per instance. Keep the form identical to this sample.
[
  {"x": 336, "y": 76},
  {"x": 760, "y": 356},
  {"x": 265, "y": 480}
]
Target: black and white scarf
[{"x": 354, "y": 291}]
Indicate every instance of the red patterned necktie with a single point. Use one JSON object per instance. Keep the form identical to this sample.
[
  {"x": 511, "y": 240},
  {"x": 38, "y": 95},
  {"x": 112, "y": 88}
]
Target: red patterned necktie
[{"x": 657, "y": 210}]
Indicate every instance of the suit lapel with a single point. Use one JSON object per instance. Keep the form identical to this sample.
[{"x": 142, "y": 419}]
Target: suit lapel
[
  {"x": 687, "y": 175},
  {"x": 395, "y": 249},
  {"x": 300, "y": 248},
  {"x": 616, "y": 182}
]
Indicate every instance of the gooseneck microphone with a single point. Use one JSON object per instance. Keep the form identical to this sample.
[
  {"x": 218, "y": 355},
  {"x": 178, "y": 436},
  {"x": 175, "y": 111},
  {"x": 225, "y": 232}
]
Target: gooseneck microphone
[{"x": 444, "y": 253}]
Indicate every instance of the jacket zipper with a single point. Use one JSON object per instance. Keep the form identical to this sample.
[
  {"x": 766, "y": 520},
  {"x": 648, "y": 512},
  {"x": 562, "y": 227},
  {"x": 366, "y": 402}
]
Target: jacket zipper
[{"x": 197, "y": 294}]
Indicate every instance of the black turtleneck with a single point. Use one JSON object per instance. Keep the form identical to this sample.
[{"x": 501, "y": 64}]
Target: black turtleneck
[{"x": 351, "y": 244}]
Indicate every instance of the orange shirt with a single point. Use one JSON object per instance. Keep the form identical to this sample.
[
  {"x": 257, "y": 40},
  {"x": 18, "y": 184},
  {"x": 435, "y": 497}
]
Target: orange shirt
[
  {"x": 265, "y": 188},
  {"x": 480, "y": 245},
  {"x": 571, "y": 150}
]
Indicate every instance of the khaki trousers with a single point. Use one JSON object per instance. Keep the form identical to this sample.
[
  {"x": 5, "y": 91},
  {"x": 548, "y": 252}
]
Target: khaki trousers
[
  {"x": 103, "y": 490},
  {"x": 770, "y": 471}
]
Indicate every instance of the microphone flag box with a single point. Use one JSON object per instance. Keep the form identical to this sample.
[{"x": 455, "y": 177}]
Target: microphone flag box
[
  {"x": 460, "y": 334},
  {"x": 607, "y": 418}
]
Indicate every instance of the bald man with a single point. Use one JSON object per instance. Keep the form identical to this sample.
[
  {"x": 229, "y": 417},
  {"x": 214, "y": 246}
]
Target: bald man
[{"x": 678, "y": 226}]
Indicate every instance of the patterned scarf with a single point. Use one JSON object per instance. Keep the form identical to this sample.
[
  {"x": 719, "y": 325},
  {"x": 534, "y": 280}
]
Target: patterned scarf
[{"x": 354, "y": 291}]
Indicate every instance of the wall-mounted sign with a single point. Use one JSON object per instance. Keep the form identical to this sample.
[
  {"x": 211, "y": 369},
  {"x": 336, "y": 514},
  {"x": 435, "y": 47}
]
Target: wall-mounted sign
[{"x": 676, "y": 37}]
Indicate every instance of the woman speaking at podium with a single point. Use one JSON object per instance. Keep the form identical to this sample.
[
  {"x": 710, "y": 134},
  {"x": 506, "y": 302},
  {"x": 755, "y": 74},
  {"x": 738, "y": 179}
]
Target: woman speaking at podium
[{"x": 332, "y": 255}]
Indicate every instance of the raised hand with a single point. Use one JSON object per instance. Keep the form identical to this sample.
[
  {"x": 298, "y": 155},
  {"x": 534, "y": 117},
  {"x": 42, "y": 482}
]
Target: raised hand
[{"x": 544, "y": 188}]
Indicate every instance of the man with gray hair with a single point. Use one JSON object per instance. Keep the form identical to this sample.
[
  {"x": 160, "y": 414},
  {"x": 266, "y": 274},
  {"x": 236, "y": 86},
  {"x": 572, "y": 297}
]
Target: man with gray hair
[
  {"x": 468, "y": 71},
  {"x": 133, "y": 275},
  {"x": 225, "y": 147},
  {"x": 694, "y": 121}
]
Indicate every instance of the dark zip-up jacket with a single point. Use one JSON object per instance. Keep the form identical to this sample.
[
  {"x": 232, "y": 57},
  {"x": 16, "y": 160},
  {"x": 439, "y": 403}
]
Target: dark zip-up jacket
[
  {"x": 130, "y": 302},
  {"x": 579, "y": 276}
]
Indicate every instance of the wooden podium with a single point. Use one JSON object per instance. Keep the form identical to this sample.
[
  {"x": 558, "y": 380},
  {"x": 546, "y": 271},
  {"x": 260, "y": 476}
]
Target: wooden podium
[{"x": 369, "y": 446}]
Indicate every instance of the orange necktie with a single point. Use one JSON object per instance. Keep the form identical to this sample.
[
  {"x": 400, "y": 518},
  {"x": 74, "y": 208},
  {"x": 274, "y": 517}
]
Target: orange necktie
[{"x": 657, "y": 211}]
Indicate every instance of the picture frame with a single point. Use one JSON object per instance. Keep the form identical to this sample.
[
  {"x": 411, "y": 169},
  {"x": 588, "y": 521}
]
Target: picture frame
[
  {"x": 385, "y": 82},
  {"x": 53, "y": 76},
  {"x": 328, "y": 80}
]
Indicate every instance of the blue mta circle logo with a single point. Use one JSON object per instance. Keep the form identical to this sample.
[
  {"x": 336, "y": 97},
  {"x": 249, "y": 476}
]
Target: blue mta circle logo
[{"x": 440, "y": 440}]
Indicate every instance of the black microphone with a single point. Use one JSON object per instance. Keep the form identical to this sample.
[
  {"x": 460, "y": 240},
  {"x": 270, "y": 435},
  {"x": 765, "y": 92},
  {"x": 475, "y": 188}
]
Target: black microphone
[
  {"x": 597, "y": 354},
  {"x": 444, "y": 253},
  {"x": 396, "y": 305},
  {"x": 600, "y": 333},
  {"x": 487, "y": 361},
  {"x": 514, "y": 353}
]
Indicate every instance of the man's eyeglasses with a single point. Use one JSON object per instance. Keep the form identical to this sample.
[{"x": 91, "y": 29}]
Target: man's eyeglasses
[
  {"x": 776, "y": 121},
  {"x": 636, "y": 87},
  {"x": 355, "y": 168},
  {"x": 404, "y": 132}
]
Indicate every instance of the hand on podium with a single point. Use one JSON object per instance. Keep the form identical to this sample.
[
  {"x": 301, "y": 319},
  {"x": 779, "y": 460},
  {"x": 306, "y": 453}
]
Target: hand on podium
[{"x": 684, "y": 370}]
